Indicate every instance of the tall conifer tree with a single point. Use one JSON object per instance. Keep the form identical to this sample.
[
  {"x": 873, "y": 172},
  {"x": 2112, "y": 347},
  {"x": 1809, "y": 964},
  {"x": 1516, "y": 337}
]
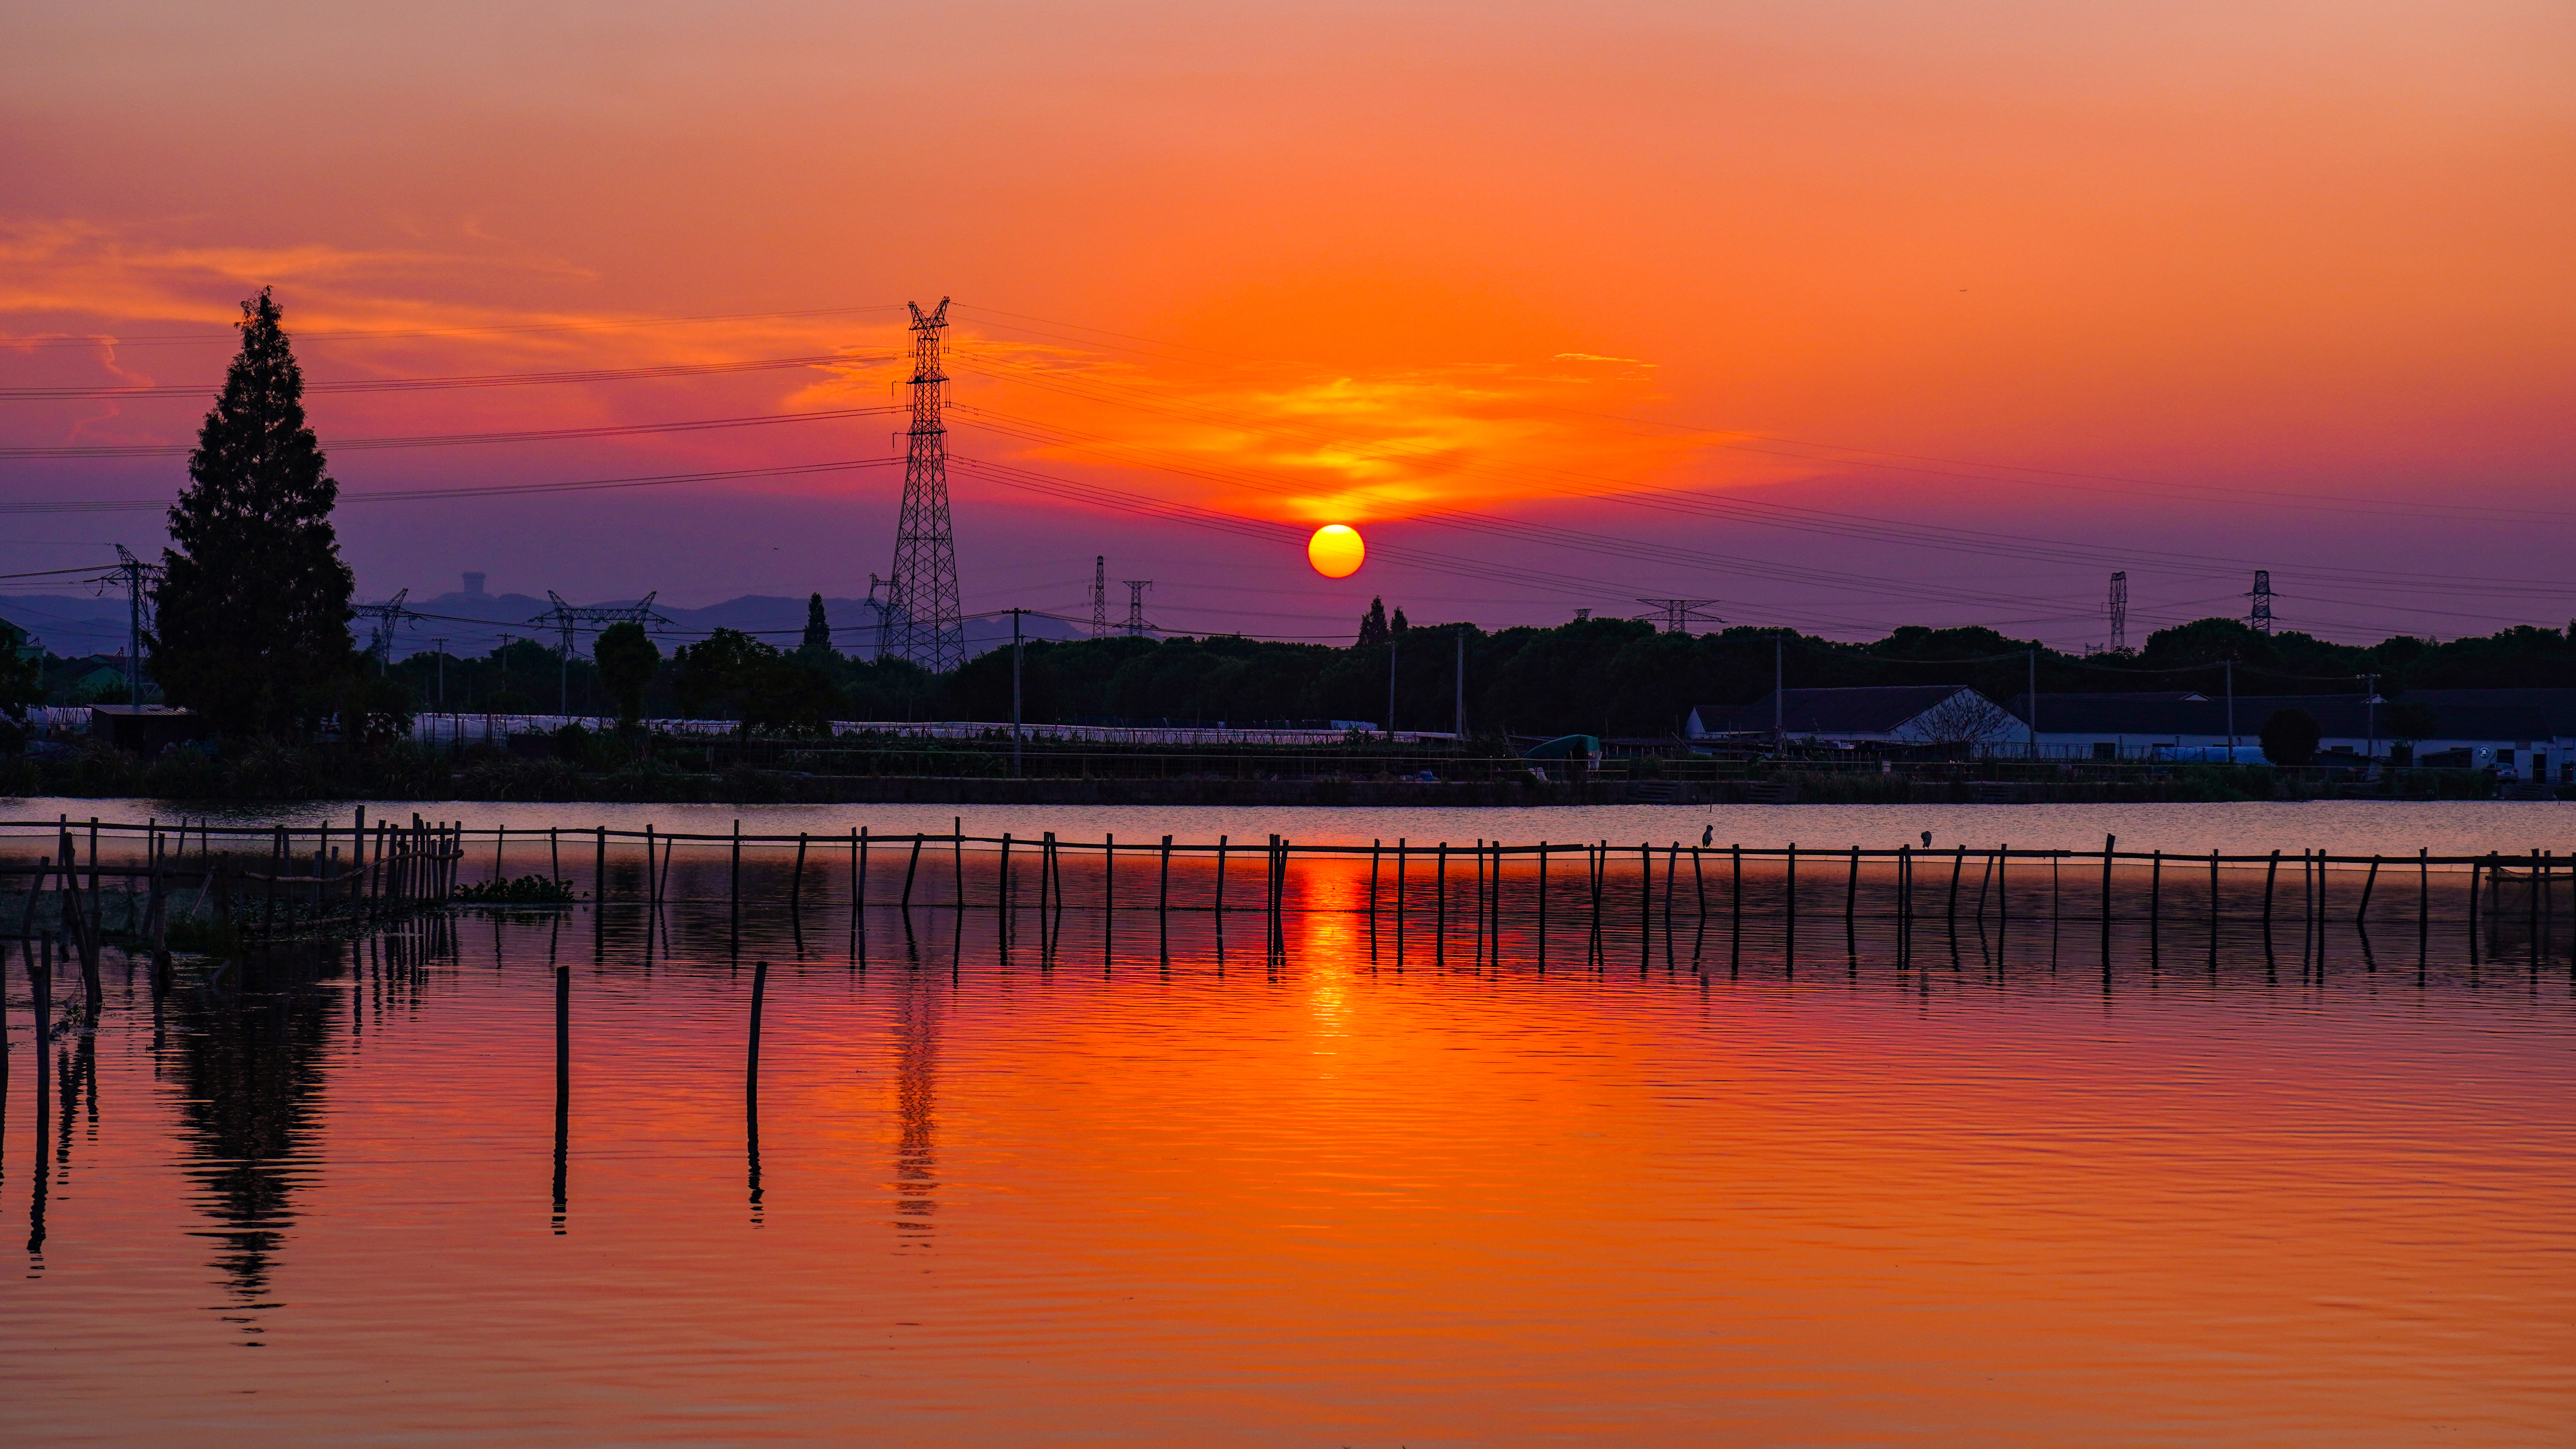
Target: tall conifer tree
[
  {"x": 253, "y": 603},
  {"x": 817, "y": 648}
]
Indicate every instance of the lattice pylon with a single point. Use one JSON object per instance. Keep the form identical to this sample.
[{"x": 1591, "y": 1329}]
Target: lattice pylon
[{"x": 922, "y": 614}]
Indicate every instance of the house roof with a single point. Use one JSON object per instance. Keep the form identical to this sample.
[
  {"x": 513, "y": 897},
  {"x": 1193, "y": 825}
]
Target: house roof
[{"x": 1871, "y": 710}]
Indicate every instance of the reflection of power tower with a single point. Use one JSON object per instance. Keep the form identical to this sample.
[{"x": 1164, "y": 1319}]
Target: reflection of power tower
[
  {"x": 567, "y": 620},
  {"x": 2260, "y": 619},
  {"x": 389, "y": 616},
  {"x": 1680, "y": 614},
  {"x": 1099, "y": 596},
  {"x": 2118, "y": 609},
  {"x": 922, "y": 611},
  {"x": 1136, "y": 604}
]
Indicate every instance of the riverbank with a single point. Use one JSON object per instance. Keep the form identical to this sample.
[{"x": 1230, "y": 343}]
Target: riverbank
[{"x": 283, "y": 775}]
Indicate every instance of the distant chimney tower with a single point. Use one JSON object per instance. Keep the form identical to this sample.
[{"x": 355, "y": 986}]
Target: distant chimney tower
[{"x": 474, "y": 585}]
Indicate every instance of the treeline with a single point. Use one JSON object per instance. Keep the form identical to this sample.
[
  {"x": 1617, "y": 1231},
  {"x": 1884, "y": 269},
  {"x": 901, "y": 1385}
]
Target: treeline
[{"x": 1616, "y": 678}]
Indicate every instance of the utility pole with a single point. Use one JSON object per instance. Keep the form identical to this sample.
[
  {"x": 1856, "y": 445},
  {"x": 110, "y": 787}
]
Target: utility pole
[
  {"x": 1390, "y": 688},
  {"x": 2033, "y": 722},
  {"x": 1680, "y": 614},
  {"x": 134, "y": 572},
  {"x": 2119, "y": 611},
  {"x": 1100, "y": 596},
  {"x": 2260, "y": 619},
  {"x": 1015, "y": 689},
  {"x": 1136, "y": 606},
  {"x": 441, "y": 646},
  {"x": 2370, "y": 713},
  {"x": 1779, "y": 704},
  {"x": 921, "y": 603},
  {"x": 2231, "y": 711}
]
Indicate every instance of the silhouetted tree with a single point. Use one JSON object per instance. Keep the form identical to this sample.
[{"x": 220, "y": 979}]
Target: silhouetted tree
[
  {"x": 817, "y": 648},
  {"x": 627, "y": 657},
  {"x": 2290, "y": 737},
  {"x": 22, "y": 683},
  {"x": 1373, "y": 628},
  {"x": 764, "y": 688},
  {"x": 252, "y": 609}
]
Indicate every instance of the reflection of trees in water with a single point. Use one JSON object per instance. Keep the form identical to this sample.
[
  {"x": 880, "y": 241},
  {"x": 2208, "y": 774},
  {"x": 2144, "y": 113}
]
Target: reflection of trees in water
[{"x": 249, "y": 1064}]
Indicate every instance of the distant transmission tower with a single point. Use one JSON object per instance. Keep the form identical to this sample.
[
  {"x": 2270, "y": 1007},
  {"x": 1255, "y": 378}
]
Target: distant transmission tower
[
  {"x": 1680, "y": 614},
  {"x": 2118, "y": 609},
  {"x": 1136, "y": 604},
  {"x": 922, "y": 613},
  {"x": 389, "y": 616},
  {"x": 1100, "y": 596},
  {"x": 2261, "y": 617},
  {"x": 568, "y": 620}
]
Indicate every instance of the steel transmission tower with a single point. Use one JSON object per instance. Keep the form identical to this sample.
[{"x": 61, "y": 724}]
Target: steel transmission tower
[
  {"x": 1680, "y": 614},
  {"x": 2260, "y": 619},
  {"x": 922, "y": 612},
  {"x": 1136, "y": 604},
  {"x": 1100, "y": 596},
  {"x": 389, "y": 616},
  {"x": 567, "y": 620},
  {"x": 2118, "y": 609}
]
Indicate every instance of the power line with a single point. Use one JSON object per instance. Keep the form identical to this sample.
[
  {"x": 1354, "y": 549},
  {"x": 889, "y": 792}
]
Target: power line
[
  {"x": 479, "y": 380},
  {"x": 497, "y": 329},
  {"x": 444, "y": 440},
  {"x": 486, "y": 490}
]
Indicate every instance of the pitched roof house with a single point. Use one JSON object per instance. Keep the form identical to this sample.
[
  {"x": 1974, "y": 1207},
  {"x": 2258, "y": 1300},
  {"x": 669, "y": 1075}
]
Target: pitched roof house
[{"x": 1897, "y": 714}]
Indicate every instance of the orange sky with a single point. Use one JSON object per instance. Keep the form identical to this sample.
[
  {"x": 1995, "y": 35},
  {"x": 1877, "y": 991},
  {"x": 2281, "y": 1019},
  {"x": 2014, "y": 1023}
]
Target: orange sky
[{"x": 1358, "y": 265}]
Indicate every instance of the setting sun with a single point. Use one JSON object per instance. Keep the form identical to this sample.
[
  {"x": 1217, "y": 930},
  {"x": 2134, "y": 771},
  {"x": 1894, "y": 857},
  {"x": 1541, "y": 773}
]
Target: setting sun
[{"x": 1336, "y": 550}]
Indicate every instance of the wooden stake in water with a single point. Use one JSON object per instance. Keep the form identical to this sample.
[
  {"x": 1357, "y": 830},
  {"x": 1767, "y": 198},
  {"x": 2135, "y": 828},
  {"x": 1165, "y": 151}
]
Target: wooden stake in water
[
  {"x": 1440, "y": 906},
  {"x": 1789, "y": 934},
  {"x": 2271, "y": 874},
  {"x": 1735, "y": 910},
  {"x": 2108, "y": 841}
]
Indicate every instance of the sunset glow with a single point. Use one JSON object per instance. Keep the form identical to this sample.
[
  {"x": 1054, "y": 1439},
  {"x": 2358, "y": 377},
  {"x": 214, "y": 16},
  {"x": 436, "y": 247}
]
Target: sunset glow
[{"x": 2173, "y": 274}]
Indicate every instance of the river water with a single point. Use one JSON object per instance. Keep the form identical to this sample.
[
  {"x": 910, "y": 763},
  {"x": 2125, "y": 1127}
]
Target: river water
[{"x": 1149, "y": 1180}]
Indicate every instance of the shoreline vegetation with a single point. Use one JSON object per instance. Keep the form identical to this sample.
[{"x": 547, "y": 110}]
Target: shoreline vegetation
[{"x": 576, "y": 766}]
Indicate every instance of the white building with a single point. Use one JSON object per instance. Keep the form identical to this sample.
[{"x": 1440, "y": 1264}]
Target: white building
[{"x": 2522, "y": 734}]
